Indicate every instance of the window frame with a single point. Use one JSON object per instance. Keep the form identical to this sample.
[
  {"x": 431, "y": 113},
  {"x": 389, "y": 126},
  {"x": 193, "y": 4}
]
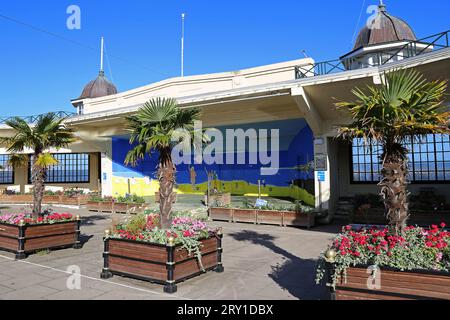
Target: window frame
[
  {"x": 66, "y": 181},
  {"x": 413, "y": 172},
  {"x": 13, "y": 177}
]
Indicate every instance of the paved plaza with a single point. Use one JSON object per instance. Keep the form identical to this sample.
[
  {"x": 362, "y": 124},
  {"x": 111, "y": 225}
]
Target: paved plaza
[{"x": 261, "y": 262}]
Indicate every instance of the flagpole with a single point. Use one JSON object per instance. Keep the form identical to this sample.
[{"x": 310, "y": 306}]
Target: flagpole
[
  {"x": 182, "y": 43},
  {"x": 101, "y": 53}
]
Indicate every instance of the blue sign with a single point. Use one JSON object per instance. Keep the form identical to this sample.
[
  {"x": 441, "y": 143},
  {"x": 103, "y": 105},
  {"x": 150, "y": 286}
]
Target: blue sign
[{"x": 321, "y": 176}]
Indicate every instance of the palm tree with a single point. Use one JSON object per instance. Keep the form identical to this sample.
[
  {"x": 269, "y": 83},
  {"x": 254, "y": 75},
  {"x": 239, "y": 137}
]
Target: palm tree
[
  {"x": 403, "y": 107},
  {"x": 153, "y": 128},
  {"x": 47, "y": 133}
]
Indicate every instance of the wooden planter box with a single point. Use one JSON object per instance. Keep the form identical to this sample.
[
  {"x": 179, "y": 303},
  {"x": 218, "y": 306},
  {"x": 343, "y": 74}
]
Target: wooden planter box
[
  {"x": 281, "y": 218},
  {"x": 270, "y": 217},
  {"x": 395, "y": 285},
  {"x": 175, "y": 197},
  {"x": 163, "y": 264},
  {"x": 221, "y": 214},
  {"x": 24, "y": 240},
  {"x": 55, "y": 199},
  {"x": 244, "y": 215},
  {"x": 223, "y": 199},
  {"x": 16, "y": 199},
  {"x": 299, "y": 219},
  {"x": 115, "y": 207}
]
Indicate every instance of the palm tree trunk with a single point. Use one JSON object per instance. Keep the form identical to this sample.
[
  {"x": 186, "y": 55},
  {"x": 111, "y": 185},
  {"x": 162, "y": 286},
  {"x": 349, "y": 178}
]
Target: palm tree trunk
[
  {"x": 166, "y": 174},
  {"x": 394, "y": 187},
  {"x": 38, "y": 190}
]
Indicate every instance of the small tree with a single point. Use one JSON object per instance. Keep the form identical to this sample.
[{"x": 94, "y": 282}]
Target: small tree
[
  {"x": 405, "y": 106},
  {"x": 152, "y": 129},
  {"x": 47, "y": 133}
]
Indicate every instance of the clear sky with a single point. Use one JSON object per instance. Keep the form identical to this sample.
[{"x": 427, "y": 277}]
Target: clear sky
[{"x": 41, "y": 73}]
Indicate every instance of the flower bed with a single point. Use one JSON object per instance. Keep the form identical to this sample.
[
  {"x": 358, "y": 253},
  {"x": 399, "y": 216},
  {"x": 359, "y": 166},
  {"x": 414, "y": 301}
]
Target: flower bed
[
  {"x": 141, "y": 250},
  {"x": 415, "y": 265},
  {"x": 23, "y": 235}
]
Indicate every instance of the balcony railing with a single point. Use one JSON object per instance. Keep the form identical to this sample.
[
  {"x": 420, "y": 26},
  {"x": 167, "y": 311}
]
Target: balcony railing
[
  {"x": 34, "y": 119},
  {"x": 411, "y": 49}
]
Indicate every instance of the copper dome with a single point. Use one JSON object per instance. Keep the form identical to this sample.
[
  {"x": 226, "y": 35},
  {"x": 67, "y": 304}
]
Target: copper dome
[
  {"x": 384, "y": 28},
  {"x": 99, "y": 87}
]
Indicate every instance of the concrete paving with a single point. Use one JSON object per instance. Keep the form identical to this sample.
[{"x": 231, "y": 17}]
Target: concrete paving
[{"x": 261, "y": 263}]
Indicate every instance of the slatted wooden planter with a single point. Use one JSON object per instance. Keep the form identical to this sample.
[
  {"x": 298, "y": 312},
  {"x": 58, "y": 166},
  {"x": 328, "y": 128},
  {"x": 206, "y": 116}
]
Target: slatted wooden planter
[
  {"x": 115, "y": 207},
  {"x": 16, "y": 199},
  {"x": 394, "y": 285},
  {"x": 163, "y": 264},
  {"x": 221, "y": 214},
  {"x": 27, "y": 239},
  {"x": 270, "y": 217},
  {"x": 48, "y": 199},
  {"x": 299, "y": 219},
  {"x": 244, "y": 215}
]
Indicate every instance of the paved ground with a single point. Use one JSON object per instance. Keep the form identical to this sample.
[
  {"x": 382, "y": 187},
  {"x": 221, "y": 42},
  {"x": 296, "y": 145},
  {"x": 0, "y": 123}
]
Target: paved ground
[{"x": 261, "y": 262}]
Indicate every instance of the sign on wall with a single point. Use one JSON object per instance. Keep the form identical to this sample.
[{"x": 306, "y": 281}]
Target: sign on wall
[{"x": 321, "y": 163}]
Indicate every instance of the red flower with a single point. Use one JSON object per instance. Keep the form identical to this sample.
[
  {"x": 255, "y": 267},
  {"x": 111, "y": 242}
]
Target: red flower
[{"x": 443, "y": 225}]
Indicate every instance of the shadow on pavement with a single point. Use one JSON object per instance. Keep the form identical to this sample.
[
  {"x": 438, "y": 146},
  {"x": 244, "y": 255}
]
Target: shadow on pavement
[{"x": 296, "y": 275}]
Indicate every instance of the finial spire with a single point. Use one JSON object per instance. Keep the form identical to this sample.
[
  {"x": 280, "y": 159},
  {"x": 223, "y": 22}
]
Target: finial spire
[
  {"x": 102, "y": 45},
  {"x": 382, "y": 6}
]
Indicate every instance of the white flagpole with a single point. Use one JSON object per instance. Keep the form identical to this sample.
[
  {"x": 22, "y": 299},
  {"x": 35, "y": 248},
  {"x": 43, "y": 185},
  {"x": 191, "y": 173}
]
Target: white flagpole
[
  {"x": 101, "y": 53},
  {"x": 182, "y": 43}
]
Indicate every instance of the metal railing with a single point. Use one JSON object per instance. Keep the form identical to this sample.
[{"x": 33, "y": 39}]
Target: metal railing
[
  {"x": 410, "y": 49},
  {"x": 35, "y": 118}
]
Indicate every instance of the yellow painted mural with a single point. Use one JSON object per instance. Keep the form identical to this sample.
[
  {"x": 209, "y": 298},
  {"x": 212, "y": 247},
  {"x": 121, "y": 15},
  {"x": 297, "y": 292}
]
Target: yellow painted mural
[{"x": 148, "y": 187}]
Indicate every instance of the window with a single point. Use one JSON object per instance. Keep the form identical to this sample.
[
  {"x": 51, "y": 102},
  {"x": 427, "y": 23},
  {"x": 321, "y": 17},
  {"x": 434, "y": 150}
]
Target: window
[
  {"x": 428, "y": 160},
  {"x": 6, "y": 171},
  {"x": 71, "y": 168}
]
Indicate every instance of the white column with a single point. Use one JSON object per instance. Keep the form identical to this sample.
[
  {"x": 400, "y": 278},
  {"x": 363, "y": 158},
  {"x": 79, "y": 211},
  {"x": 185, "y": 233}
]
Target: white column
[
  {"x": 106, "y": 174},
  {"x": 322, "y": 174}
]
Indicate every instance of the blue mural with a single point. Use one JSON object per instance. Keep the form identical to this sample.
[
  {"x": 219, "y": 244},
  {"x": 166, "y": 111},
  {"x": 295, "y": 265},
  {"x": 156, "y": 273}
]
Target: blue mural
[{"x": 296, "y": 149}]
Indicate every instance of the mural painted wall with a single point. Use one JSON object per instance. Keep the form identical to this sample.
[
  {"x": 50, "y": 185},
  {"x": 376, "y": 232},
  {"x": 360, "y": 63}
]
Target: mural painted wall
[{"x": 294, "y": 179}]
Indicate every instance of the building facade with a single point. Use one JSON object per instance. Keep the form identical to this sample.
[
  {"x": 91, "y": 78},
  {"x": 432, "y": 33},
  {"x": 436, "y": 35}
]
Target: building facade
[{"x": 295, "y": 97}]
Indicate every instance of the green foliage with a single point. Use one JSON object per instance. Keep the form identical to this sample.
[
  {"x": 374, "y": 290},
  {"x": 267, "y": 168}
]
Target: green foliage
[
  {"x": 406, "y": 104},
  {"x": 154, "y": 126},
  {"x": 137, "y": 224},
  {"x": 131, "y": 199},
  {"x": 297, "y": 206}
]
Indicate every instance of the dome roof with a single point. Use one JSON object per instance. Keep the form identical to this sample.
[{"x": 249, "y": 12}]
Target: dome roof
[
  {"x": 384, "y": 28},
  {"x": 99, "y": 87}
]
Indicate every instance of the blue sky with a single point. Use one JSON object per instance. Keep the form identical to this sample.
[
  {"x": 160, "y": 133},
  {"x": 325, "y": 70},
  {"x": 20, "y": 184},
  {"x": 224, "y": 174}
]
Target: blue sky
[{"x": 41, "y": 73}]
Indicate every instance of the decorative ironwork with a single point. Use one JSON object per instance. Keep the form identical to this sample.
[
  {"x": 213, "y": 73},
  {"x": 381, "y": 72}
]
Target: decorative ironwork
[
  {"x": 35, "y": 118},
  {"x": 410, "y": 49}
]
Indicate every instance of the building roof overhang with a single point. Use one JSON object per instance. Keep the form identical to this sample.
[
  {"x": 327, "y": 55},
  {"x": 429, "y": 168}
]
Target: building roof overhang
[{"x": 274, "y": 101}]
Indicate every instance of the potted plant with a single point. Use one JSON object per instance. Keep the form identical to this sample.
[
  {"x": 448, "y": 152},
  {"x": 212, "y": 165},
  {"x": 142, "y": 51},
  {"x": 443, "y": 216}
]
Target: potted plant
[
  {"x": 24, "y": 234},
  {"x": 403, "y": 106},
  {"x": 47, "y": 133},
  {"x": 374, "y": 264},
  {"x": 141, "y": 249}
]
